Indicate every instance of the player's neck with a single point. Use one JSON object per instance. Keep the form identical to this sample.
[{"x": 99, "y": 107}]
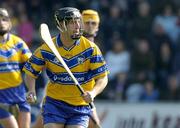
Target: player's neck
[
  {"x": 67, "y": 42},
  {"x": 91, "y": 39},
  {"x": 3, "y": 38}
]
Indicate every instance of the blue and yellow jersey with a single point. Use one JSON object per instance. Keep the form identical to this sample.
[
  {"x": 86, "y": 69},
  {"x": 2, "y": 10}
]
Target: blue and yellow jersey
[
  {"x": 84, "y": 60},
  {"x": 13, "y": 54}
]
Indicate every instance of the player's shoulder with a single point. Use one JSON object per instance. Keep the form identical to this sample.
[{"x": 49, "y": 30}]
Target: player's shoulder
[
  {"x": 87, "y": 42},
  {"x": 15, "y": 38}
]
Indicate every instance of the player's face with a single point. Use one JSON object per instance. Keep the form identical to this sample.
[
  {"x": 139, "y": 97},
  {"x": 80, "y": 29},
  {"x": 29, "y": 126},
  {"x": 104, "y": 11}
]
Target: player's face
[
  {"x": 5, "y": 25},
  {"x": 73, "y": 27},
  {"x": 91, "y": 27}
]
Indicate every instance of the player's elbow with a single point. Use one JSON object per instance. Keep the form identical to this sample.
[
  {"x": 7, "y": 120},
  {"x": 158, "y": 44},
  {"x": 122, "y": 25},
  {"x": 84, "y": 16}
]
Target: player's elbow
[{"x": 104, "y": 80}]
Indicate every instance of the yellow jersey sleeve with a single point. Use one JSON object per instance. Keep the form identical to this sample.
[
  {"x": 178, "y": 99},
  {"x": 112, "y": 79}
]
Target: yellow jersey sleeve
[
  {"x": 35, "y": 64},
  {"x": 25, "y": 53},
  {"x": 98, "y": 65}
]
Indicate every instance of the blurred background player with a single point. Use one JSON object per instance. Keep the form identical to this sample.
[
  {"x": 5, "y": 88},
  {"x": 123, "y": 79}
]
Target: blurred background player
[
  {"x": 64, "y": 105},
  {"x": 91, "y": 26},
  {"x": 13, "y": 54},
  {"x": 91, "y": 23}
]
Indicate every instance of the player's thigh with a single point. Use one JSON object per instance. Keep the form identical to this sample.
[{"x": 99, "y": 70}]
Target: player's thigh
[
  {"x": 14, "y": 110},
  {"x": 9, "y": 122},
  {"x": 53, "y": 125},
  {"x": 24, "y": 115},
  {"x": 24, "y": 119}
]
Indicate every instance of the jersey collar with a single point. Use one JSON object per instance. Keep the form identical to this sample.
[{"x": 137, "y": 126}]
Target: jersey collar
[
  {"x": 59, "y": 42},
  {"x": 7, "y": 39}
]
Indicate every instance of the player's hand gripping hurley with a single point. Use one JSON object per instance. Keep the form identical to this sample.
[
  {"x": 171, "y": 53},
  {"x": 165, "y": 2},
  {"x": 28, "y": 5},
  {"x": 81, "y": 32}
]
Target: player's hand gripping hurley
[{"x": 45, "y": 34}]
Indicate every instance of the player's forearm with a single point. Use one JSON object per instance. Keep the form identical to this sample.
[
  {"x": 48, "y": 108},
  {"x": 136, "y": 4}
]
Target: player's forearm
[
  {"x": 100, "y": 85},
  {"x": 30, "y": 83},
  {"x": 31, "y": 95}
]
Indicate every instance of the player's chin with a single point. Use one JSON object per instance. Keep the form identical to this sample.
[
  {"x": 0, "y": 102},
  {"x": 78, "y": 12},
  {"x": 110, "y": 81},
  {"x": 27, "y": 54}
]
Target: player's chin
[
  {"x": 76, "y": 31},
  {"x": 91, "y": 32}
]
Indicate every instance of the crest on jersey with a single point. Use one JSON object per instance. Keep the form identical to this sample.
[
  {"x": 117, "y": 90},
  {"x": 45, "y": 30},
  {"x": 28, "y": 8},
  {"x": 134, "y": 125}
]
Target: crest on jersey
[
  {"x": 55, "y": 60},
  {"x": 81, "y": 59}
]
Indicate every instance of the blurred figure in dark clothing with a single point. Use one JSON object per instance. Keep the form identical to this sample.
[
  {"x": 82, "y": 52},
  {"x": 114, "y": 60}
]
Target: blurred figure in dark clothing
[
  {"x": 142, "y": 23},
  {"x": 164, "y": 64},
  {"x": 172, "y": 93},
  {"x": 159, "y": 36},
  {"x": 116, "y": 24},
  {"x": 143, "y": 60},
  {"x": 118, "y": 87}
]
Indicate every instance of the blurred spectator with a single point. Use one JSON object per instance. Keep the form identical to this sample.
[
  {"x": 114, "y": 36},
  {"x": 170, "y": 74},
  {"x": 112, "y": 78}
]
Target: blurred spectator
[
  {"x": 118, "y": 59},
  {"x": 158, "y": 37},
  {"x": 134, "y": 92},
  {"x": 172, "y": 93},
  {"x": 122, "y": 4},
  {"x": 116, "y": 23},
  {"x": 142, "y": 23},
  {"x": 150, "y": 94},
  {"x": 164, "y": 64},
  {"x": 143, "y": 60},
  {"x": 169, "y": 22},
  {"x": 118, "y": 87}
]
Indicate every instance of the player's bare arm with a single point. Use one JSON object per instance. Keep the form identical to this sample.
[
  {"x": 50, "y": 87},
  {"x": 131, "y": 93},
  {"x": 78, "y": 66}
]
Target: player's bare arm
[
  {"x": 31, "y": 95},
  {"x": 98, "y": 88}
]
